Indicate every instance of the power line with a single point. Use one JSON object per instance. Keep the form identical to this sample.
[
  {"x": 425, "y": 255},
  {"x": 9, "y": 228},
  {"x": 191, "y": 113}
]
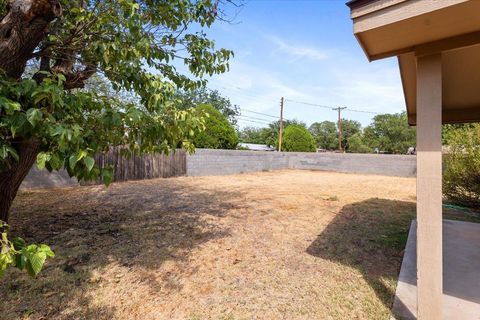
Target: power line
[
  {"x": 264, "y": 114},
  {"x": 241, "y": 93},
  {"x": 253, "y": 121},
  {"x": 310, "y": 104},
  {"x": 254, "y": 118},
  {"x": 331, "y": 108},
  {"x": 260, "y": 113},
  {"x": 361, "y": 111}
]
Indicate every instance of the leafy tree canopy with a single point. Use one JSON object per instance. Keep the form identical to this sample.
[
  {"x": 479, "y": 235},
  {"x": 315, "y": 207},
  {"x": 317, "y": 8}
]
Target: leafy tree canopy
[
  {"x": 51, "y": 53},
  {"x": 461, "y": 177},
  {"x": 349, "y": 128},
  {"x": 325, "y": 134},
  {"x": 48, "y": 115},
  {"x": 273, "y": 130},
  {"x": 449, "y": 131},
  {"x": 254, "y": 135},
  {"x": 193, "y": 98},
  {"x": 298, "y": 139},
  {"x": 218, "y": 133},
  {"x": 390, "y": 133},
  {"x": 356, "y": 144}
]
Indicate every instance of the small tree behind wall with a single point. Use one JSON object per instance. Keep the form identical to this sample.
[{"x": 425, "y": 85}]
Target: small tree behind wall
[
  {"x": 298, "y": 139},
  {"x": 219, "y": 132}
]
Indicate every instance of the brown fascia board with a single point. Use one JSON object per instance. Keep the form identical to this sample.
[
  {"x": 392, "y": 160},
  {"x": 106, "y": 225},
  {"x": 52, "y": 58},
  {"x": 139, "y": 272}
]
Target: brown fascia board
[{"x": 354, "y": 4}]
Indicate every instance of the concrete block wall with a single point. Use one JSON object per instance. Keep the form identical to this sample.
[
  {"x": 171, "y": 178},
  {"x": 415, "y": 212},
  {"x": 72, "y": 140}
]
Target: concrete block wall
[
  {"x": 388, "y": 165},
  {"x": 222, "y": 162},
  {"x": 206, "y": 162},
  {"x": 44, "y": 179}
]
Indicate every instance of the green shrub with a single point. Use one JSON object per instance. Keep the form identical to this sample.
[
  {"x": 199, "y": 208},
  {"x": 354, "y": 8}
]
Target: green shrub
[
  {"x": 16, "y": 253},
  {"x": 461, "y": 178},
  {"x": 297, "y": 138},
  {"x": 356, "y": 144},
  {"x": 218, "y": 133}
]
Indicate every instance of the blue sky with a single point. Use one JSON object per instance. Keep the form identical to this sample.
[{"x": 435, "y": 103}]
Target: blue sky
[{"x": 305, "y": 51}]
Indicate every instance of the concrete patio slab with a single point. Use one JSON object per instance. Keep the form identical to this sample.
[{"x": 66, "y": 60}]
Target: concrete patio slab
[{"x": 461, "y": 273}]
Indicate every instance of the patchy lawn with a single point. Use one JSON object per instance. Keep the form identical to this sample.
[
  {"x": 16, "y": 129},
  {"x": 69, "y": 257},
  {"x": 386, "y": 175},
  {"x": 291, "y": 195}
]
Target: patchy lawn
[{"x": 276, "y": 245}]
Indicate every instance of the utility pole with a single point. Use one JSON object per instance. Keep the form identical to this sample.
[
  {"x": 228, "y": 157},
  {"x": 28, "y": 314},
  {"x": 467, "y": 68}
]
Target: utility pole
[
  {"x": 280, "y": 134},
  {"x": 339, "y": 109}
]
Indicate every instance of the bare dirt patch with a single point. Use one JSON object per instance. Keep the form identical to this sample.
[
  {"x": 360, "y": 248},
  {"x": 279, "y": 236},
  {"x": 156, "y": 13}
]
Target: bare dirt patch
[{"x": 276, "y": 245}]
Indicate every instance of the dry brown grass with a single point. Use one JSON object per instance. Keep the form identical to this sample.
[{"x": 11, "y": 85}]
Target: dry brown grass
[{"x": 277, "y": 245}]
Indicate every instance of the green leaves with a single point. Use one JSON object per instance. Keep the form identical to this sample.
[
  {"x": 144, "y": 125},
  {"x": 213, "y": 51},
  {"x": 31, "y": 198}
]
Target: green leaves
[
  {"x": 107, "y": 176},
  {"x": 461, "y": 177},
  {"x": 89, "y": 163},
  {"x": 34, "y": 116},
  {"x": 6, "y": 151},
  {"x": 72, "y": 161},
  {"x": 20, "y": 255},
  {"x": 42, "y": 159},
  {"x": 391, "y": 133},
  {"x": 33, "y": 258},
  {"x": 218, "y": 134},
  {"x": 55, "y": 162},
  {"x": 9, "y": 106},
  {"x": 298, "y": 139},
  {"x": 134, "y": 48}
]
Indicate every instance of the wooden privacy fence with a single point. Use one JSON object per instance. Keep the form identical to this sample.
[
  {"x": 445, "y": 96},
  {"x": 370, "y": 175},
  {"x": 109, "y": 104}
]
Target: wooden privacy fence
[{"x": 145, "y": 166}]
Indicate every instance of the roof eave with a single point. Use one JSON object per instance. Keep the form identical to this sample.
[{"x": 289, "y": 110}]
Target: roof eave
[{"x": 354, "y": 4}]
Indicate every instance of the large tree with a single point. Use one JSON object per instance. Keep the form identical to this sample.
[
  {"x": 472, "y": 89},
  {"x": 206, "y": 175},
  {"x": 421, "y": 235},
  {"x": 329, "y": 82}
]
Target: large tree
[
  {"x": 325, "y": 134},
  {"x": 349, "y": 129},
  {"x": 273, "y": 130},
  {"x": 390, "y": 133},
  {"x": 218, "y": 133},
  {"x": 356, "y": 144},
  {"x": 254, "y": 135},
  {"x": 195, "y": 98},
  {"x": 298, "y": 139},
  {"x": 50, "y": 49}
]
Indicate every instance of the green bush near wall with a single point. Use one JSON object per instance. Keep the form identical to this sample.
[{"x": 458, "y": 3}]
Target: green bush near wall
[
  {"x": 218, "y": 133},
  {"x": 297, "y": 138},
  {"x": 461, "y": 177}
]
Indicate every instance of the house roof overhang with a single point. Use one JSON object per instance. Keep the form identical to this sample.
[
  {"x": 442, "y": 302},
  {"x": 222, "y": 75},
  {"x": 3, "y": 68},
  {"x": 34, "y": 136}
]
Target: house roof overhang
[{"x": 411, "y": 28}]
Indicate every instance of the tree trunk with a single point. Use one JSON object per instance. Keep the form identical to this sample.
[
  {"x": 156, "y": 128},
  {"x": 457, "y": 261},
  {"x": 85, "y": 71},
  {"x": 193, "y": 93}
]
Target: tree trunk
[
  {"x": 11, "y": 179},
  {"x": 21, "y": 31}
]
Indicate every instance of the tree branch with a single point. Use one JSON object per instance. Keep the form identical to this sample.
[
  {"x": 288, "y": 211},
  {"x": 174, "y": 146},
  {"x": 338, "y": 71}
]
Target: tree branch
[
  {"x": 21, "y": 31},
  {"x": 76, "y": 79}
]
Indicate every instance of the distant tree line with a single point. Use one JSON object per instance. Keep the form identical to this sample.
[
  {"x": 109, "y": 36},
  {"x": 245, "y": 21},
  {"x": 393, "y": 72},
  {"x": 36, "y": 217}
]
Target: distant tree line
[{"x": 388, "y": 133}]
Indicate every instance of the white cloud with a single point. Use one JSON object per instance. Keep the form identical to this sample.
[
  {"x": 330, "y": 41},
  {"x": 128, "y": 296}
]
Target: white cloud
[
  {"x": 346, "y": 80},
  {"x": 298, "y": 51}
]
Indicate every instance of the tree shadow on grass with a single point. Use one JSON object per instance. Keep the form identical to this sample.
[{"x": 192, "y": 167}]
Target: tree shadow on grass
[
  {"x": 136, "y": 226},
  {"x": 369, "y": 236}
]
